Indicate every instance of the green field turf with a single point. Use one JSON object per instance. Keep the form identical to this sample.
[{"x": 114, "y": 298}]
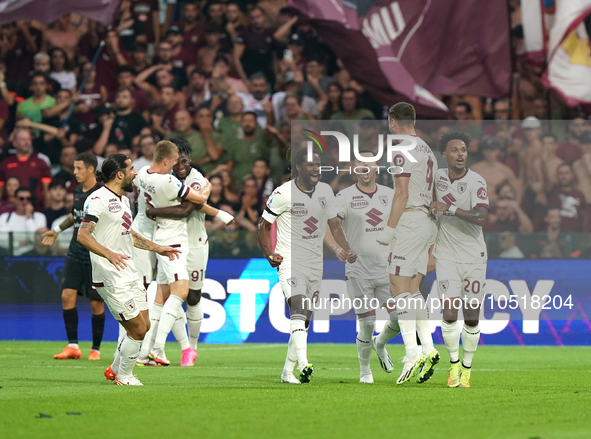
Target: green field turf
[{"x": 234, "y": 392}]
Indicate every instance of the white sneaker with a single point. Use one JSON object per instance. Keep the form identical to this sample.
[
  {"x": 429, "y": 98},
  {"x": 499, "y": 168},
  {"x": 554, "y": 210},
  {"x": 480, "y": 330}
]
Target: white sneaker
[
  {"x": 411, "y": 365},
  {"x": 289, "y": 377},
  {"x": 366, "y": 378},
  {"x": 130, "y": 380},
  {"x": 159, "y": 357},
  {"x": 383, "y": 356}
]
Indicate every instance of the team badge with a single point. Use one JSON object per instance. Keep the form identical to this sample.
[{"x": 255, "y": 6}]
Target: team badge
[
  {"x": 130, "y": 304},
  {"x": 292, "y": 282},
  {"x": 383, "y": 199},
  {"x": 443, "y": 284},
  {"x": 322, "y": 201},
  {"x": 462, "y": 187}
]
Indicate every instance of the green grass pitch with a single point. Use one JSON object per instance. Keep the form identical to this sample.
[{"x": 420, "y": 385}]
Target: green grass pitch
[{"x": 234, "y": 392}]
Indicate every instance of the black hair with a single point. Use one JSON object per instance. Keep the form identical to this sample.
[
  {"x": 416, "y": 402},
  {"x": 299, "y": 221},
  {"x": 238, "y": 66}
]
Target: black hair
[
  {"x": 113, "y": 164},
  {"x": 258, "y": 75},
  {"x": 67, "y": 61},
  {"x": 88, "y": 158},
  {"x": 125, "y": 69},
  {"x": 250, "y": 112},
  {"x": 23, "y": 189},
  {"x": 300, "y": 157},
  {"x": 263, "y": 159},
  {"x": 140, "y": 46},
  {"x": 454, "y": 135},
  {"x": 37, "y": 74},
  {"x": 183, "y": 146},
  {"x": 57, "y": 182}
]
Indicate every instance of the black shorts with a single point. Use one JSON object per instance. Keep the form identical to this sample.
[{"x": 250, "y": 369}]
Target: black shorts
[{"x": 78, "y": 276}]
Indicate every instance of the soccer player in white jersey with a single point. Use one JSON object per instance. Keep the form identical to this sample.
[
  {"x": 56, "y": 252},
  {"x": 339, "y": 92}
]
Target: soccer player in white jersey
[
  {"x": 162, "y": 189},
  {"x": 198, "y": 243},
  {"x": 415, "y": 232},
  {"x": 460, "y": 252},
  {"x": 363, "y": 209},
  {"x": 302, "y": 207},
  {"x": 106, "y": 232},
  {"x": 145, "y": 261}
]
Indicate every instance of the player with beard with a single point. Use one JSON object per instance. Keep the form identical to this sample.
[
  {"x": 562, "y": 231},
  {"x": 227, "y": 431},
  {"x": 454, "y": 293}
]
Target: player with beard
[
  {"x": 460, "y": 251},
  {"x": 198, "y": 250},
  {"x": 106, "y": 232},
  {"x": 302, "y": 208}
]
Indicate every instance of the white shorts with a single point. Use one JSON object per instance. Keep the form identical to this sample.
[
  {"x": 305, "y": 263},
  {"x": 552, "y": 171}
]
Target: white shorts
[
  {"x": 295, "y": 282},
  {"x": 196, "y": 265},
  {"x": 370, "y": 293},
  {"x": 145, "y": 264},
  {"x": 458, "y": 279},
  {"x": 124, "y": 301},
  {"x": 409, "y": 253},
  {"x": 175, "y": 270}
]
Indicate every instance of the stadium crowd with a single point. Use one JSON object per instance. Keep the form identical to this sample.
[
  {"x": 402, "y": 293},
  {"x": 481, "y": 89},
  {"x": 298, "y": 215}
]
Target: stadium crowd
[{"x": 229, "y": 77}]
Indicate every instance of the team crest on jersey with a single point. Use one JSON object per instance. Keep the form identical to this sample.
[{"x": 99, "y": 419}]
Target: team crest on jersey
[
  {"x": 292, "y": 282},
  {"x": 462, "y": 187},
  {"x": 322, "y": 201},
  {"x": 443, "y": 284},
  {"x": 441, "y": 185},
  {"x": 383, "y": 199},
  {"x": 114, "y": 207},
  {"x": 130, "y": 304}
]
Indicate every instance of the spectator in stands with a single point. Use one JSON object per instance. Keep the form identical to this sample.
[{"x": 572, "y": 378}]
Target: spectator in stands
[
  {"x": 570, "y": 201},
  {"x": 161, "y": 77},
  {"x": 207, "y": 152},
  {"x": 254, "y": 143},
  {"x": 131, "y": 30},
  {"x": 317, "y": 82},
  {"x": 89, "y": 98},
  {"x": 582, "y": 167},
  {"x": 9, "y": 203},
  {"x": 549, "y": 162},
  {"x": 197, "y": 91},
  {"x": 495, "y": 172},
  {"x": 32, "y": 172},
  {"x": 231, "y": 125},
  {"x": 350, "y": 109},
  {"x": 64, "y": 35},
  {"x": 32, "y": 107},
  {"x": 180, "y": 56},
  {"x": 258, "y": 97},
  {"x": 41, "y": 65},
  {"x": 128, "y": 122},
  {"x": 555, "y": 243},
  {"x": 235, "y": 20},
  {"x": 216, "y": 197},
  {"x": 293, "y": 111},
  {"x": 56, "y": 207},
  {"x": 147, "y": 11},
  {"x": 61, "y": 69},
  {"x": 18, "y": 45},
  {"x": 162, "y": 117},
  {"x": 192, "y": 27},
  {"x": 332, "y": 103},
  {"x": 466, "y": 123},
  {"x": 174, "y": 67},
  {"x": 569, "y": 150},
  {"x": 253, "y": 48},
  {"x": 291, "y": 66},
  {"x": 230, "y": 191},
  {"x": 250, "y": 206},
  {"x": 279, "y": 160},
  {"x": 207, "y": 54},
  {"x": 126, "y": 79},
  {"x": 4, "y": 106},
  {"x": 219, "y": 76},
  {"x": 110, "y": 60},
  {"x": 66, "y": 173},
  {"x": 23, "y": 222},
  {"x": 510, "y": 217},
  {"x": 260, "y": 172},
  {"x": 509, "y": 249},
  {"x": 147, "y": 144},
  {"x": 139, "y": 58}
]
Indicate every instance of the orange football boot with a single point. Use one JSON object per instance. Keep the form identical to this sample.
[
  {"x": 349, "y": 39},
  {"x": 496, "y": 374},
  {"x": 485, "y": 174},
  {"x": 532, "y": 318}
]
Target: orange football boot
[
  {"x": 109, "y": 375},
  {"x": 94, "y": 355},
  {"x": 68, "y": 353}
]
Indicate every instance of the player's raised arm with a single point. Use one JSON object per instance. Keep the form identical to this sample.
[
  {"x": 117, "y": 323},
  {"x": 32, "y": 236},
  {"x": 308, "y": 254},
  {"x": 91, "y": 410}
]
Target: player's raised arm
[
  {"x": 399, "y": 202},
  {"x": 87, "y": 240}
]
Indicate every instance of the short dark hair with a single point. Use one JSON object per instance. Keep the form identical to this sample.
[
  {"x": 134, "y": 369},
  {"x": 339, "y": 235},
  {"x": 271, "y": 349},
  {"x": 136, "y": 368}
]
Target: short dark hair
[
  {"x": 183, "y": 146},
  {"x": 23, "y": 189},
  {"x": 88, "y": 158},
  {"x": 125, "y": 69},
  {"x": 128, "y": 89},
  {"x": 403, "y": 113},
  {"x": 111, "y": 166},
  {"x": 39, "y": 74},
  {"x": 300, "y": 157},
  {"x": 258, "y": 75},
  {"x": 466, "y": 105},
  {"x": 140, "y": 46},
  {"x": 250, "y": 112},
  {"x": 57, "y": 182},
  {"x": 262, "y": 159},
  {"x": 454, "y": 135}
]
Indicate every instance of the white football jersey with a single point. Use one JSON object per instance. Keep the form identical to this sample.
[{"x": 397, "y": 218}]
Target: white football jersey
[
  {"x": 364, "y": 216},
  {"x": 141, "y": 223},
  {"x": 112, "y": 216},
  {"x": 459, "y": 240},
  {"x": 421, "y": 173},
  {"x": 164, "y": 190},
  {"x": 301, "y": 223},
  {"x": 196, "y": 220}
]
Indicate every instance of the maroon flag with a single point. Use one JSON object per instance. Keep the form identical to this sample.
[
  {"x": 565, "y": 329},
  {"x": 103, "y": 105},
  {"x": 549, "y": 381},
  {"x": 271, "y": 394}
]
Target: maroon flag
[
  {"x": 48, "y": 11},
  {"x": 412, "y": 49}
]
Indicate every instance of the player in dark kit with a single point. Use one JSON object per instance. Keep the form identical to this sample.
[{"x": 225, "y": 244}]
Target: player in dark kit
[{"x": 77, "y": 278}]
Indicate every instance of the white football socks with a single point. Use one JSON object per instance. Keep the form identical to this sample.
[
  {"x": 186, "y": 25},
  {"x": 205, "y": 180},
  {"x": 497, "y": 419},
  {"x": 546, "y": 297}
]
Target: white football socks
[
  {"x": 155, "y": 313},
  {"x": 391, "y": 330},
  {"x": 451, "y": 337},
  {"x": 299, "y": 335},
  {"x": 470, "y": 338},
  {"x": 423, "y": 326},
  {"x": 179, "y": 329},
  {"x": 117, "y": 359},
  {"x": 194, "y": 319},
  {"x": 128, "y": 353},
  {"x": 167, "y": 319},
  {"x": 407, "y": 321},
  {"x": 291, "y": 358},
  {"x": 366, "y": 328}
]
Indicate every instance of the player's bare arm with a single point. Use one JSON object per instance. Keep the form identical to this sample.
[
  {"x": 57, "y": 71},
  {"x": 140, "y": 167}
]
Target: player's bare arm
[
  {"x": 339, "y": 236},
  {"x": 87, "y": 240},
  {"x": 181, "y": 211},
  {"x": 145, "y": 244},
  {"x": 476, "y": 216},
  {"x": 200, "y": 196},
  {"x": 50, "y": 236},
  {"x": 264, "y": 234},
  {"x": 332, "y": 244},
  {"x": 399, "y": 202}
]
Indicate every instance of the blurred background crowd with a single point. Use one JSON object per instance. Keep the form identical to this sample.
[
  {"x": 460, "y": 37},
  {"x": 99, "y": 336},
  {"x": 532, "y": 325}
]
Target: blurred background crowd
[{"x": 230, "y": 77}]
